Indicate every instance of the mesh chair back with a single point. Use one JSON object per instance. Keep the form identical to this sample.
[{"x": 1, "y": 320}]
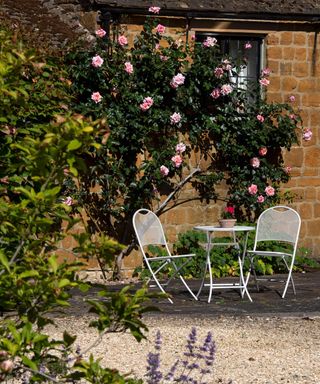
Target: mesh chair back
[
  {"x": 278, "y": 223},
  {"x": 148, "y": 228},
  {"x": 149, "y": 231}
]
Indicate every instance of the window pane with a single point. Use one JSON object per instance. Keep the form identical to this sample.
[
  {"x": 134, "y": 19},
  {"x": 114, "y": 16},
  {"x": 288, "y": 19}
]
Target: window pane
[{"x": 235, "y": 47}]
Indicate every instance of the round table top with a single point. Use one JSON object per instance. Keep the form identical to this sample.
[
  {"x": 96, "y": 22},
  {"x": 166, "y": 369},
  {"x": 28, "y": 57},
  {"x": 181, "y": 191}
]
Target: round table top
[{"x": 217, "y": 228}]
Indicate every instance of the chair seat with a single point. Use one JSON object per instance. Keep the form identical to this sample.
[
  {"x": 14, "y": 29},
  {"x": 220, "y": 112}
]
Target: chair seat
[
  {"x": 270, "y": 253},
  {"x": 160, "y": 258}
]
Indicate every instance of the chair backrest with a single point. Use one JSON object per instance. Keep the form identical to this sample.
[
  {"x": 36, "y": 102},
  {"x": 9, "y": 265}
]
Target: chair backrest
[
  {"x": 148, "y": 229},
  {"x": 279, "y": 223}
]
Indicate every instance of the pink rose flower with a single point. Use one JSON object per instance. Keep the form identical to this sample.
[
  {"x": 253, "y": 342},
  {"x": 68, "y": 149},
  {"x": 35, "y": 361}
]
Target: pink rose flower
[
  {"x": 226, "y": 89},
  {"x": 226, "y": 65},
  {"x": 253, "y": 189},
  {"x": 292, "y": 116},
  {"x": 96, "y": 97},
  {"x": 307, "y": 134},
  {"x": 266, "y": 72},
  {"x": 218, "y": 72},
  {"x": 164, "y": 170},
  {"x": 68, "y": 201},
  {"x": 255, "y": 162},
  {"x": 146, "y": 104},
  {"x": 178, "y": 43},
  {"x": 128, "y": 67},
  {"x": 263, "y": 151},
  {"x": 154, "y": 10},
  {"x": 287, "y": 169},
  {"x": 215, "y": 93},
  {"x": 292, "y": 98},
  {"x": 164, "y": 58},
  {"x": 260, "y": 118},
  {"x": 97, "y": 61},
  {"x": 6, "y": 366},
  {"x": 175, "y": 118},
  {"x": 4, "y": 180},
  {"x": 269, "y": 191},
  {"x": 193, "y": 37},
  {"x": 210, "y": 42},
  {"x": 260, "y": 199},
  {"x": 177, "y": 80},
  {"x": 9, "y": 130},
  {"x": 160, "y": 29},
  {"x": 265, "y": 82},
  {"x": 180, "y": 148},
  {"x": 248, "y": 45},
  {"x": 177, "y": 160},
  {"x": 101, "y": 32},
  {"x": 122, "y": 40}
]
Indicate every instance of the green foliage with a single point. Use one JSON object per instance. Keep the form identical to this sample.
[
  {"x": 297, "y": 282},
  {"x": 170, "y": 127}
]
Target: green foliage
[
  {"x": 38, "y": 146},
  {"x": 224, "y": 260},
  {"x": 92, "y": 372},
  {"x": 31, "y": 87},
  {"x": 121, "y": 311},
  {"x": 222, "y": 129}
]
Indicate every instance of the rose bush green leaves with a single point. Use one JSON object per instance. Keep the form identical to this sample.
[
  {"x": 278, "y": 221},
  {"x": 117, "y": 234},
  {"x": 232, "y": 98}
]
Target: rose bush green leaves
[{"x": 159, "y": 92}]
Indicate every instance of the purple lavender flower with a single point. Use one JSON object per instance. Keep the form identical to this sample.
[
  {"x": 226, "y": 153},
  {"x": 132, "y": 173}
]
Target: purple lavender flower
[
  {"x": 192, "y": 339},
  {"x": 171, "y": 373},
  {"x": 153, "y": 373},
  {"x": 158, "y": 341},
  {"x": 198, "y": 359}
]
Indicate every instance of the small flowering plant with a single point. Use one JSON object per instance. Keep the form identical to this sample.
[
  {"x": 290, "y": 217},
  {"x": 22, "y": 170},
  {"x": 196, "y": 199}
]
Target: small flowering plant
[
  {"x": 197, "y": 361},
  {"x": 229, "y": 212}
]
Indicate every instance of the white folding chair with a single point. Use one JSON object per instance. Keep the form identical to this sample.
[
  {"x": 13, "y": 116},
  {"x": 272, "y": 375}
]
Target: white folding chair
[
  {"x": 279, "y": 224},
  {"x": 149, "y": 231}
]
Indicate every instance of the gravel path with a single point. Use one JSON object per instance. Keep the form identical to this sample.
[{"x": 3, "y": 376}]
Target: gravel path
[{"x": 249, "y": 350}]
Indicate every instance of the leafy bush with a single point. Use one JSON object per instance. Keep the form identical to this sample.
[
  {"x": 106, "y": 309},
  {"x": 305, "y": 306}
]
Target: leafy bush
[
  {"x": 40, "y": 141},
  {"x": 175, "y": 117},
  {"x": 224, "y": 260}
]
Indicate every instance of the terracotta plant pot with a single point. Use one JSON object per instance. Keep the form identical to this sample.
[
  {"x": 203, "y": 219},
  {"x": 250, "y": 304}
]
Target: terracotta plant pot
[{"x": 227, "y": 223}]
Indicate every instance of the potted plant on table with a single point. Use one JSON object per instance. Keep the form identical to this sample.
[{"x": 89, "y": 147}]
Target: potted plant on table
[{"x": 228, "y": 219}]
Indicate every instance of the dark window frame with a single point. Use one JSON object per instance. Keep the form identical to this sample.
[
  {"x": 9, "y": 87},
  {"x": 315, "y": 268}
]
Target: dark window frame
[{"x": 226, "y": 40}]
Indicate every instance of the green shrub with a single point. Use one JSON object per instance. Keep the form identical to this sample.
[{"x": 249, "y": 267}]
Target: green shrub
[
  {"x": 40, "y": 141},
  {"x": 163, "y": 101}
]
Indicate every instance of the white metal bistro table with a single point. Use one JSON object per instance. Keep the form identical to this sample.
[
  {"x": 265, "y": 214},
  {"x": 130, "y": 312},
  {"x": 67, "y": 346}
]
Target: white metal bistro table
[{"x": 210, "y": 230}]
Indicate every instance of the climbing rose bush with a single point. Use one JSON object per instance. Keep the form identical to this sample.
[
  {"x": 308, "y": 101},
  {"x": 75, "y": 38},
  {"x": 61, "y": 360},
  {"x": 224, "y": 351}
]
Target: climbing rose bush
[{"x": 158, "y": 92}]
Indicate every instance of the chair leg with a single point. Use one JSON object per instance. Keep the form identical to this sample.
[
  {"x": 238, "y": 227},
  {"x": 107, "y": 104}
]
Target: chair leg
[
  {"x": 183, "y": 280},
  {"x": 289, "y": 279},
  {"x": 188, "y": 288},
  {"x": 157, "y": 282},
  {"x": 202, "y": 282},
  {"x": 243, "y": 281},
  {"x": 253, "y": 271}
]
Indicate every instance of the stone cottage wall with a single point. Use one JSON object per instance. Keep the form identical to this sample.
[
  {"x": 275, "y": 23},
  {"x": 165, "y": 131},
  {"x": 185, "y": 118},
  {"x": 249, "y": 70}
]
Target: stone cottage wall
[
  {"x": 292, "y": 51},
  {"x": 294, "y": 59}
]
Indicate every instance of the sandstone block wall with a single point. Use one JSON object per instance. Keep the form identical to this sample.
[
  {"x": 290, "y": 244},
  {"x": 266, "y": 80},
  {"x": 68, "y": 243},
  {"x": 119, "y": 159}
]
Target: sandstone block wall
[
  {"x": 293, "y": 54},
  {"x": 294, "y": 59}
]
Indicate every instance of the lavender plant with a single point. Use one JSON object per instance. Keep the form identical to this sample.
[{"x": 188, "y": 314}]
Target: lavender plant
[{"x": 196, "y": 363}]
